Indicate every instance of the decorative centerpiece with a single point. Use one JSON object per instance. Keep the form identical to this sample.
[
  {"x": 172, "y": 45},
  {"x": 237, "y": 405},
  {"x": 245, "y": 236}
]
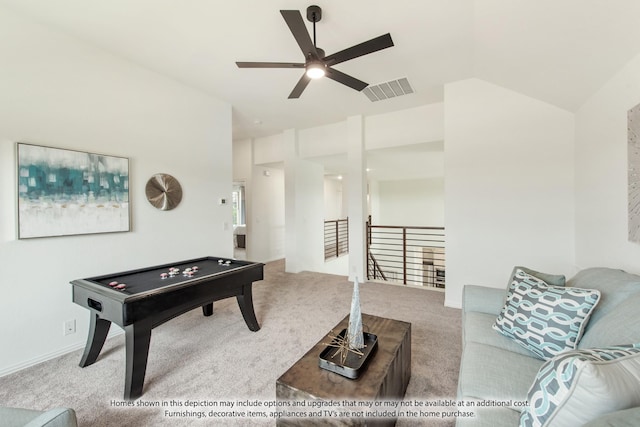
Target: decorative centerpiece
[{"x": 349, "y": 351}]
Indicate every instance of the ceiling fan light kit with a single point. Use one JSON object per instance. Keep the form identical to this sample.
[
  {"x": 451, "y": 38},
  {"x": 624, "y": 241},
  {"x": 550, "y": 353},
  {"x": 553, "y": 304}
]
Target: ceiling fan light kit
[
  {"x": 316, "y": 64},
  {"x": 316, "y": 70}
]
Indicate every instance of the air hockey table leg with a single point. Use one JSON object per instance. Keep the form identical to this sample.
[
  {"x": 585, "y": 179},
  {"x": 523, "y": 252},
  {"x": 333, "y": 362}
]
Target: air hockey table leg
[
  {"x": 245, "y": 302},
  {"x": 98, "y": 330},
  {"x": 138, "y": 338}
]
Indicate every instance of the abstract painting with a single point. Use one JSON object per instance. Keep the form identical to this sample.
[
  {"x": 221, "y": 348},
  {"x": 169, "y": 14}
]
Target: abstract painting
[{"x": 65, "y": 192}]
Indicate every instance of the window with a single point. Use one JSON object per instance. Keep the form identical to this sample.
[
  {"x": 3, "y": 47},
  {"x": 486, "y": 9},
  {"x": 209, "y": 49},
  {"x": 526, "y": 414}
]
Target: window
[{"x": 238, "y": 207}]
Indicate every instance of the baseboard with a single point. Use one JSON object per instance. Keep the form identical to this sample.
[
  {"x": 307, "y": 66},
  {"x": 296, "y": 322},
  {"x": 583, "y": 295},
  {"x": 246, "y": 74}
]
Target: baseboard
[
  {"x": 45, "y": 357},
  {"x": 457, "y": 304}
]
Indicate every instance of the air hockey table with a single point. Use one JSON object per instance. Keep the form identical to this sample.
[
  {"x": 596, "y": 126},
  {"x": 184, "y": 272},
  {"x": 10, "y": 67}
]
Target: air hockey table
[{"x": 141, "y": 299}]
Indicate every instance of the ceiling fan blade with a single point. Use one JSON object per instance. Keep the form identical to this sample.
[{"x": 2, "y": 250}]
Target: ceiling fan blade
[
  {"x": 269, "y": 65},
  {"x": 300, "y": 86},
  {"x": 346, "y": 79},
  {"x": 365, "y": 48},
  {"x": 293, "y": 18}
]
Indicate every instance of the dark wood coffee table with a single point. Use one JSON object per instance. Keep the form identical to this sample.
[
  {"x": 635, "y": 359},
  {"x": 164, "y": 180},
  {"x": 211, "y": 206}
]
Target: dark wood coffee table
[{"x": 385, "y": 378}]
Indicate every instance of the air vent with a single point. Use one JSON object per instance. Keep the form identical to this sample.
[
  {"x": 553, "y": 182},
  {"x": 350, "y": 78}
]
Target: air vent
[{"x": 387, "y": 90}]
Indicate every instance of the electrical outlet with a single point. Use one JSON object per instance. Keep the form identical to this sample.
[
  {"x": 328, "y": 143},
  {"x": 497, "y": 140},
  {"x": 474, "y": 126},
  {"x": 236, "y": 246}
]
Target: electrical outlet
[{"x": 69, "y": 327}]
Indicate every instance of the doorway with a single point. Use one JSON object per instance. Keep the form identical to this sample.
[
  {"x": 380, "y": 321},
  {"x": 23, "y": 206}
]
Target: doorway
[{"x": 239, "y": 212}]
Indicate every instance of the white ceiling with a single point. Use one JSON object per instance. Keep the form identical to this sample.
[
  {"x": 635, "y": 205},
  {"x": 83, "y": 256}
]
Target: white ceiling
[{"x": 559, "y": 51}]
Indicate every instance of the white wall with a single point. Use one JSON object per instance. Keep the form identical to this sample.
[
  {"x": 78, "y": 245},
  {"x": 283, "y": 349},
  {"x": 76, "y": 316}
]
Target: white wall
[
  {"x": 414, "y": 202},
  {"x": 357, "y": 197},
  {"x": 509, "y": 176},
  {"x": 304, "y": 209},
  {"x": 335, "y": 206},
  {"x": 405, "y": 127},
  {"x": 242, "y": 160},
  {"x": 400, "y": 128},
  {"x": 60, "y": 92},
  {"x": 601, "y": 174},
  {"x": 268, "y": 149},
  {"x": 265, "y": 235},
  {"x": 323, "y": 140}
]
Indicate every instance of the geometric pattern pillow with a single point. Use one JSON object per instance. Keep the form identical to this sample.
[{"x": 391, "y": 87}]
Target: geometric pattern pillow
[
  {"x": 581, "y": 385},
  {"x": 547, "y": 320}
]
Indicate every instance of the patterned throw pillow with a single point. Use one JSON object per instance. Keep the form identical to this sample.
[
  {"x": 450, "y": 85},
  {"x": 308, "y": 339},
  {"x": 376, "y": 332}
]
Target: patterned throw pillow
[
  {"x": 546, "y": 320},
  {"x": 581, "y": 385}
]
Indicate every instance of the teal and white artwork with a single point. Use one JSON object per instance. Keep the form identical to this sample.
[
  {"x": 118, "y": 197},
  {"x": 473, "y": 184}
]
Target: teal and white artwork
[{"x": 65, "y": 192}]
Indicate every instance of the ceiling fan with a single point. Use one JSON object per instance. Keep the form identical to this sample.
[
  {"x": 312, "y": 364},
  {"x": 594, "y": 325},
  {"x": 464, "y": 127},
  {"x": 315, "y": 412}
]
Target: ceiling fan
[{"x": 316, "y": 64}]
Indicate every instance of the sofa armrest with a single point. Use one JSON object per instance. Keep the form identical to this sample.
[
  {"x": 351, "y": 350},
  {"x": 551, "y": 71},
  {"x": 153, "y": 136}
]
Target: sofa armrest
[
  {"x": 622, "y": 418},
  {"x": 482, "y": 299},
  {"x": 58, "y": 417}
]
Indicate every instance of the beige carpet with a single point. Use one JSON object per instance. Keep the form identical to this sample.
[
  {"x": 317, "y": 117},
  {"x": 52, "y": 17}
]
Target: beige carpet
[{"x": 218, "y": 358}]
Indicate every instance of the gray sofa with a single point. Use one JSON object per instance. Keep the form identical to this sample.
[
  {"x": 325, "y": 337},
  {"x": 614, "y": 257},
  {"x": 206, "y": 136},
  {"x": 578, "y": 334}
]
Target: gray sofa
[
  {"x": 18, "y": 417},
  {"x": 494, "y": 367}
]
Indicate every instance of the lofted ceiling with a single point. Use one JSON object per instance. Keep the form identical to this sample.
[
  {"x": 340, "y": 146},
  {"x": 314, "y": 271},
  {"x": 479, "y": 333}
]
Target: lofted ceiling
[{"x": 559, "y": 51}]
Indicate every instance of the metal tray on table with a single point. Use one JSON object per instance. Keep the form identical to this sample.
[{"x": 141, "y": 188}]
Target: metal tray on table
[{"x": 354, "y": 364}]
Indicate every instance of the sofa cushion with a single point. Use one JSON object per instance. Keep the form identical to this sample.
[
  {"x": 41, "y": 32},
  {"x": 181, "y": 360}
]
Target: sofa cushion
[
  {"x": 18, "y": 417},
  {"x": 579, "y": 386},
  {"x": 624, "y": 418},
  {"x": 490, "y": 417},
  {"x": 545, "y": 319},
  {"x": 549, "y": 279},
  {"x": 614, "y": 285},
  {"x": 482, "y": 299},
  {"x": 478, "y": 328},
  {"x": 488, "y": 372},
  {"x": 620, "y": 326}
]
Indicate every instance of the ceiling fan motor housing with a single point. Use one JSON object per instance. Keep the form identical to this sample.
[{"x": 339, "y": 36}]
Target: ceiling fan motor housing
[{"x": 314, "y": 13}]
